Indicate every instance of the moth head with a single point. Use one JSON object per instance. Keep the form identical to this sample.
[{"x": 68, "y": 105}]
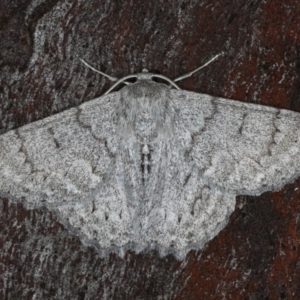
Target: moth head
[{"x": 143, "y": 76}]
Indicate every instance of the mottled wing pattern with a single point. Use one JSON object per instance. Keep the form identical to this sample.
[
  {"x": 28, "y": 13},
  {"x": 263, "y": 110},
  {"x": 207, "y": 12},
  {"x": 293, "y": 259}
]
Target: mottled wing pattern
[
  {"x": 173, "y": 193},
  {"x": 68, "y": 163},
  {"x": 189, "y": 212},
  {"x": 60, "y": 159},
  {"x": 240, "y": 148}
]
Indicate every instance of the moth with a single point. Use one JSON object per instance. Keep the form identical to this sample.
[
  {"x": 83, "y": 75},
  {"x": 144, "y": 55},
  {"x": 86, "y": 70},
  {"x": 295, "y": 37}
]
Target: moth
[{"x": 150, "y": 166}]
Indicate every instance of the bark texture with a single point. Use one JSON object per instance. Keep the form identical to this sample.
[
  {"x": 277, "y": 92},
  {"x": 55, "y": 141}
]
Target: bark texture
[{"x": 257, "y": 255}]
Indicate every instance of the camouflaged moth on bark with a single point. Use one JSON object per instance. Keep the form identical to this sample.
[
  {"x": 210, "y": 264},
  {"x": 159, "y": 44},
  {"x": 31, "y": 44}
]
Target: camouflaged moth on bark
[{"x": 148, "y": 166}]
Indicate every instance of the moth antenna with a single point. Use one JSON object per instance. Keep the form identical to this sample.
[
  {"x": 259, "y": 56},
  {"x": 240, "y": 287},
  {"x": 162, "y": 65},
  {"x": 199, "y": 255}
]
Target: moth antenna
[
  {"x": 111, "y": 78},
  {"x": 196, "y": 70},
  {"x": 122, "y": 80},
  {"x": 168, "y": 80}
]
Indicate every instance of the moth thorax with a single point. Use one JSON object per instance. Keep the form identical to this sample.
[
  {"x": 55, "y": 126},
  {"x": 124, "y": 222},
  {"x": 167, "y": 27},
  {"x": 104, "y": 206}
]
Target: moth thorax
[{"x": 146, "y": 108}]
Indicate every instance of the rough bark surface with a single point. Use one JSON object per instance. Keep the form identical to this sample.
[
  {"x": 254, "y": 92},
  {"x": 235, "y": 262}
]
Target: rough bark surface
[{"x": 257, "y": 255}]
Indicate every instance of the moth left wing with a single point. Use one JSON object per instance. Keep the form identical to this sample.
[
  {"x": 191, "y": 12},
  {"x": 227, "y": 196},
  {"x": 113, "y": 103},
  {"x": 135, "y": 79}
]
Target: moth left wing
[{"x": 62, "y": 158}]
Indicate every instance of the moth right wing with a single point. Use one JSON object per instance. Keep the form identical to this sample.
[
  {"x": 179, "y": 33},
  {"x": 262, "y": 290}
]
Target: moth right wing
[{"x": 240, "y": 148}]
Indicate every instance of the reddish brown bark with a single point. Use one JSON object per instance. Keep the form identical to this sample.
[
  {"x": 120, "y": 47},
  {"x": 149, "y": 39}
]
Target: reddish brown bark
[{"x": 257, "y": 255}]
